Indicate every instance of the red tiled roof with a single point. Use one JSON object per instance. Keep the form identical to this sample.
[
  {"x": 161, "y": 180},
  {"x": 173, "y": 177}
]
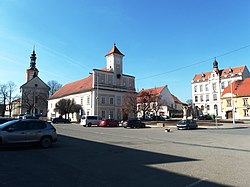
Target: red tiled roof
[
  {"x": 76, "y": 87},
  {"x": 155, "y": 91},
  {"x": 176, "y": 100},
  {"x": 114, "y": 50},
  {"x": 222, "y": 72},
  {"x": 240, "y": 88}
]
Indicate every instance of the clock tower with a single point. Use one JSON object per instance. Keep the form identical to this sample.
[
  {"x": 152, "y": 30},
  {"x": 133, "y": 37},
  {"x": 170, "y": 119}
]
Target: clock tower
[{"x": 114, "y": 61}]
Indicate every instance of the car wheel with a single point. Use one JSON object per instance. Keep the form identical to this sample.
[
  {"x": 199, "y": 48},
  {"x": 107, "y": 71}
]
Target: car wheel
[
  {"x": 89, "y": 124},
  {"x": 46, "y": 142}
]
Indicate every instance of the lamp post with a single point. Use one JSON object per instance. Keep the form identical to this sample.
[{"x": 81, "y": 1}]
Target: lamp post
[{"x": 232, "y": 101}]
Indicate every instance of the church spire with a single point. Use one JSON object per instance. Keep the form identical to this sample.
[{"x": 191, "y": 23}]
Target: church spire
[{"x": 33, "y": 59}]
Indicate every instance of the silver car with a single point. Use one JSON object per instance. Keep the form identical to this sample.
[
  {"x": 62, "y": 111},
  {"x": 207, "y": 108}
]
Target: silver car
[
  {"x": 187, "y": 124},
  {"x": 28, "y": 131}
]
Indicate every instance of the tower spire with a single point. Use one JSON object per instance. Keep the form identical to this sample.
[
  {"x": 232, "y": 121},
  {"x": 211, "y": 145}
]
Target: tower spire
[{"x": 33, "y": 58}]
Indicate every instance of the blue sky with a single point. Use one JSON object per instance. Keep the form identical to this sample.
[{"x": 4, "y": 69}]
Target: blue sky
[{"x": 165, "y": 42}]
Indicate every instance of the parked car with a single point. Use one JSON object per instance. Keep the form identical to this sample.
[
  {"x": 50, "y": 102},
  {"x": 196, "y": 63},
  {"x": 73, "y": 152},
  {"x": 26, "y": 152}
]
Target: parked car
[
  {"x": 134, "y": 123},
  {"x": 29, "y": 116},
  {"x": 187, "y": 124},
  {"x": 60, "y": 120},
  {"x": 109, "y": 123},
  {"x": 88, "y": 121},
  {"x": 3, "y": 120},
  {"x": 205, "y": 117},
  {"x": 28, "y": 131}
]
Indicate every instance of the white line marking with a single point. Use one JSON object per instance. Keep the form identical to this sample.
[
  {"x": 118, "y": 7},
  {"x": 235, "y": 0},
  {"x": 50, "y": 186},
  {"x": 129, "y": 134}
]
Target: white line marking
[{"x": 197, "y": 182}]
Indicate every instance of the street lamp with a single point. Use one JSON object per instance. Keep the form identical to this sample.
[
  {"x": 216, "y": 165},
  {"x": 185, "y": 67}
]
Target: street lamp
[
  {"x": 232, "y": 101},
  {"x": 34, "y": 100}
]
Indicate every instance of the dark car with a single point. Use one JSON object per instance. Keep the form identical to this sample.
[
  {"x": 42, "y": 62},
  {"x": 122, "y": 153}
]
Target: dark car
[
  {"x": 60, "y": 120},
  {"x": 187, "y": 124},
  {"x": 205, "y": 117},
  {"x": 28, "y": 131},
  {"x": 3, "y": 120},
  {"x": 109, "y": 123},
  {"x": 134, "y": 123}
]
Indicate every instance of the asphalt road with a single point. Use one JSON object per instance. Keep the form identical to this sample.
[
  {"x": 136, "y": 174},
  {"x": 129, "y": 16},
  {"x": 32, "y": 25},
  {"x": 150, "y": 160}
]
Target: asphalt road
[{"x": 131, "y": 157}]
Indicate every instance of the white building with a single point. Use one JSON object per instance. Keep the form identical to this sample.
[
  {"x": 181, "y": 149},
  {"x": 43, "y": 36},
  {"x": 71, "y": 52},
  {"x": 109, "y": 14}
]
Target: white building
[
  {"x": 208, "y": 87},
  {"x": 159, "y": 101},
  {"x": 101, "y": 93}
]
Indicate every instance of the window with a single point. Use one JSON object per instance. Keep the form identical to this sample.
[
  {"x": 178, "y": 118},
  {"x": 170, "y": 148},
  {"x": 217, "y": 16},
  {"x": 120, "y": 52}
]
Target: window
[
  {"x": 201, "y": 88},
  {"x": 222, "y": 85},
  {"x": 111, "y": 114},
  {"x": 214, "y": 86},
  {"x": 111, "y": 100},
  {"x": 195, "y": 88},
  {"x": 87, "y": 113},
  {"x": 103, "y": 114},
  {"x": 196, "y": 98},
  {"x": 246, "y": 112},
  {"x": 103, "y": 100},
  {"x": 215, "y": 97},
  {"x": 81, "y": 101},
  {"x": 245, "y": 102},
  {"x": 207, "y": 97},
  {"x": 206, "y": 87},
  {"x": 201, "y": 97},
  {"x": 119, "y": 100},
  {"x": 202, "y": 107},
  {"x": 88, "y": 100},
  {"x": 208, "y": 107},
  {"x": 229, "y": 104}
]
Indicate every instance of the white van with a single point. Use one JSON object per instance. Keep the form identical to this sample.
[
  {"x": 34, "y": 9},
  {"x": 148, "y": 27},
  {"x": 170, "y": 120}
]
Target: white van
[{"x": 88, "y": 121}]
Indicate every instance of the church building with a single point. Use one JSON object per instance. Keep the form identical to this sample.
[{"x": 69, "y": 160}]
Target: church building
[
  {"x": 34, "y": 93},
  {"x": 101, "y": 93}
]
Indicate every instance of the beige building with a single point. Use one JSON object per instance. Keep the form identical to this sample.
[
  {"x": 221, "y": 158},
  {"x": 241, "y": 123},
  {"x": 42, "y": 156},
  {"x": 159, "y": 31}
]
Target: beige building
[{"x": 236, "y": 100}]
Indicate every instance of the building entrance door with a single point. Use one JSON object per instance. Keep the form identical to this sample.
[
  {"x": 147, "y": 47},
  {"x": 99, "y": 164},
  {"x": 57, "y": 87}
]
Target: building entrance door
[{"x": 229, "y": 114}]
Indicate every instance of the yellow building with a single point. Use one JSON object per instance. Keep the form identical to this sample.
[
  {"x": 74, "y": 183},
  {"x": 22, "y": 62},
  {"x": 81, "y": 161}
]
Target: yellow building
[{"x": 236, "y": 96}]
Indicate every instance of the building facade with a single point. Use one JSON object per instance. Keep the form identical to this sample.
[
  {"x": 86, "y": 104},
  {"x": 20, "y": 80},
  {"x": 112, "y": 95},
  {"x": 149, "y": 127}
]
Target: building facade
[
  {"x": 101, "y": 93},
  {"x": 236, "y": 100},
  {"x": 34, "y": 93},
  {"x": 158, "y": 102},
  {"x": 207, "y": 88}
]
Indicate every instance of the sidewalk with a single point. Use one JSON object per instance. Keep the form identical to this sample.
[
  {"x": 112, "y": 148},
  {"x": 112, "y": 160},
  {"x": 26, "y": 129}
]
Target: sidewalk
[{"x": 220, "y": 126}]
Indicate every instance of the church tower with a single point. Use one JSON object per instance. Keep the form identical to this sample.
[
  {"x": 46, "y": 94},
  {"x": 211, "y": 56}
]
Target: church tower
[
  {"x": 114, "y": 61},
  {"x": 32, "y": 71}
]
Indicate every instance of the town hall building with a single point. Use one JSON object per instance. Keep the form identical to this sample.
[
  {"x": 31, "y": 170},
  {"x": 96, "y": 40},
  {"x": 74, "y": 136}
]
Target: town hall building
[{"x": 101, "y": 93}]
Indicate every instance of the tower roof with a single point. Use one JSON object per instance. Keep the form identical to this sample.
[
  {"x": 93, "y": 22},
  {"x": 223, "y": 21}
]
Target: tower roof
[{"x": 114, "y": 50}]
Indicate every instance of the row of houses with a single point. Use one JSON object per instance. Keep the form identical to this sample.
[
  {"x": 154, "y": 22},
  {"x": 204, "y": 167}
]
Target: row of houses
[
  {"x": 222, "y": 92},
  {"x": 106, "y": 92}
]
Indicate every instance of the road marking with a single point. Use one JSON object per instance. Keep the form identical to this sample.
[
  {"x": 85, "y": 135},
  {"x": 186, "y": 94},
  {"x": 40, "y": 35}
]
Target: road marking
[{"x": 197, "y": 182}]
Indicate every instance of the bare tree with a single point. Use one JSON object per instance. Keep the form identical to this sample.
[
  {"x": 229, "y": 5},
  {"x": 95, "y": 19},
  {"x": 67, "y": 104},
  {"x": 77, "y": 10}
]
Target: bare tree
[
  {"x": 3, "y": 96},
  {"x": 129, "y": 105},
  {"x": 157, "y": 103},
  {"x": 11, "y": 88},
  {"x": 54, "y": 86},
  {"x": 33, "y": 99},
  {"x": 144, "y": 98}
]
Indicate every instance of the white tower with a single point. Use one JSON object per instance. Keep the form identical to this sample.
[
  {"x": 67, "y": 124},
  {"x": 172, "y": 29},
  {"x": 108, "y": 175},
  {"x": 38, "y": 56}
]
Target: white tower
[{"x": 114, "y": 61}]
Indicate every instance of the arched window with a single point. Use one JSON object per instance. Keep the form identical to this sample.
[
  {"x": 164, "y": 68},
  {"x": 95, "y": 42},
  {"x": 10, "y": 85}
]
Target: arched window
[
  {"x": 202, "y": 107},
  {"x": 208, "y": 107}
]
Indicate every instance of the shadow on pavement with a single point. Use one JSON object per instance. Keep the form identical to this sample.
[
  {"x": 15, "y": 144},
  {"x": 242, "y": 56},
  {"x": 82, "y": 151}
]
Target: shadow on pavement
[{"x": 75, "y": 162}]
